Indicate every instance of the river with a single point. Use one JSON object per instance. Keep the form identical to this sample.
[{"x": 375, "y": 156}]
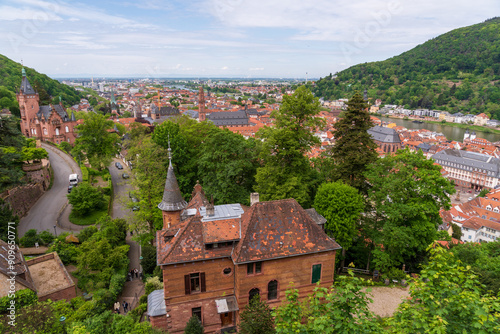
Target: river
[{"x": 450, "y": 132}]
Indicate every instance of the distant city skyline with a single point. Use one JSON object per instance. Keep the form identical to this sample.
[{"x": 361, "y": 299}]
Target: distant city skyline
[{"x": 221, "y": 38}]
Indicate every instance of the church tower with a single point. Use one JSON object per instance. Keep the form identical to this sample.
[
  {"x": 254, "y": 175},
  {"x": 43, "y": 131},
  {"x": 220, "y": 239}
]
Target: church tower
[
  {"x": 172, "y": 203},
  {"x": 114, "y": 106},
  {"x": 201, "y": 105},
  {"x": 28, "y": 105}
]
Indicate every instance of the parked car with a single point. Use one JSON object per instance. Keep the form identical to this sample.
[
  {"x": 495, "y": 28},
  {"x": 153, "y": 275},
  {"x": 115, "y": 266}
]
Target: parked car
[
  {"x": 118, "y": 165},
  {"x": 70, "y": 187},
  {"x": 134, "y": 200},
  {"x": 125, "y": 176}
]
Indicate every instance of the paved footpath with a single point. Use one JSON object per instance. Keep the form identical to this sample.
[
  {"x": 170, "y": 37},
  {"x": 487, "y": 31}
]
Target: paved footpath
[{"x": 132, "y": 290}]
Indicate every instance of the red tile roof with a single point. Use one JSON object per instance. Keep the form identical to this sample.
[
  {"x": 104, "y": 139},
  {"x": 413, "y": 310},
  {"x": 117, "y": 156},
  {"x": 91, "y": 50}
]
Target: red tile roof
[{"x": 278, "y": 229}]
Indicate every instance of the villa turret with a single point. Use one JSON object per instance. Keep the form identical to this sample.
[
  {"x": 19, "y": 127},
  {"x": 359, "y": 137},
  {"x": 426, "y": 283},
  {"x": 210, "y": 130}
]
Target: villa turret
[{"x": 172, "y": 203}]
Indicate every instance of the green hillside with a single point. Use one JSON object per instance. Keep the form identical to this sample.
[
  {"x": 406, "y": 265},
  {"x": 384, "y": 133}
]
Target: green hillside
[
  {"x": 457, "y": 71},
  {"x": 48, "y": 89}
]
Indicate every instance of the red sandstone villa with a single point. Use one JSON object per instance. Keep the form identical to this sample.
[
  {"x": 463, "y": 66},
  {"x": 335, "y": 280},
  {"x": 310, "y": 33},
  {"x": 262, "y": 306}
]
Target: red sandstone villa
[
  {"x": 47, "y": 123},
  {"x": 215, "y": 258}
]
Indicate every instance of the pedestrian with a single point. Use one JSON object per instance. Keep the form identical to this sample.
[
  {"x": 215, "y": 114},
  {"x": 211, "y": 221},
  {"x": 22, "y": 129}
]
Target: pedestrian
[
  {"x": 117, "y": 307},
  {"x": 136, "y": 273},
  {"x": 140, "y": 274},
  {"x": 124, "y": 307}
]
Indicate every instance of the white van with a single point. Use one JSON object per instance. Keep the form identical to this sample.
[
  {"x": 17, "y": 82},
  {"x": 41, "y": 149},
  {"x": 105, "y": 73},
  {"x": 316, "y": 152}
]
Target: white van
[{"x": 73, "y": 179}]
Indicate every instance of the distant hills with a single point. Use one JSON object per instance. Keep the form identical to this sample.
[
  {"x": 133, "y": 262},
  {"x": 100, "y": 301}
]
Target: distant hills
[
  {"x": 456, "y": 71},
  {"x": 48, "y": 89}
]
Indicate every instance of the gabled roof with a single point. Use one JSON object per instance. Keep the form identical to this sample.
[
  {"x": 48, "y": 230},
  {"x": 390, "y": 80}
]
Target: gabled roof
[
  {"x": 278, "y": 229},
  {"x": 19, "y": 266},
  {"x": 223, "y": 118},
  {"x": 384, "y": 135},
  {"x": 186, "y": 245}
]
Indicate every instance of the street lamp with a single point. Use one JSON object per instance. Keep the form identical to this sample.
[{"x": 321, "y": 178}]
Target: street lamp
[{"x": 55, "y": 232}]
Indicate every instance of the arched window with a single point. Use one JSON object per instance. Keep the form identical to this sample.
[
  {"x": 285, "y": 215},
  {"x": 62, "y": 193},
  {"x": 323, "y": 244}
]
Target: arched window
[
  {"x": 57, "y": 131},
  {"x": 272, "y": 290},
  {"x": 67, "y": 129},
  {"x": 45, "y": 131},
  {"x": 254, "y": 292}
]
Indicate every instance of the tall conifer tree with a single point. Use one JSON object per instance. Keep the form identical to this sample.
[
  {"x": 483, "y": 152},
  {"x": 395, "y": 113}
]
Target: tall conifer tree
[{"x": 354, "y": 148}]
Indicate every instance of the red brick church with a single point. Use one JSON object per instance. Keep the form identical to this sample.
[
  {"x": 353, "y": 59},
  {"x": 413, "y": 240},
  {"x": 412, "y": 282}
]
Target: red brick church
[
  {"x": 216, "y": 257},
  {"x": 47, "y": 123}
]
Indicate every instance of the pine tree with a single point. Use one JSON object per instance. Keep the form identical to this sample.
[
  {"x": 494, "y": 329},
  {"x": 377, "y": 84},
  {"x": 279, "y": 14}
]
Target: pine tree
[
  {"x": 354, "y": 148},
  {"x": 194, "y": 326},
  {"x": 256, "y": 318}
]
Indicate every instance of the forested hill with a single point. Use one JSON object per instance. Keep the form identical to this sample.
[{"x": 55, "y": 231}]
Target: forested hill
[
  {"x": 48, "y": 89},
  {"x": 456, "y": 71}
]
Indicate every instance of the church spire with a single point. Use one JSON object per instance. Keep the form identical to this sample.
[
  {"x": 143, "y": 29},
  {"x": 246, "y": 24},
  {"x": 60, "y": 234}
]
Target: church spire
[{"x": 201, "y": 105}]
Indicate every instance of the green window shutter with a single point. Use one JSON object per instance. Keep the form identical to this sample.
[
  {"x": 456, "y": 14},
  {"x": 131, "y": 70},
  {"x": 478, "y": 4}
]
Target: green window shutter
[{"x": 316, "y": 273}]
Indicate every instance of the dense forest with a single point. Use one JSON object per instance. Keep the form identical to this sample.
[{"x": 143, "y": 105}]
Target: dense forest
[
  {"x": 458, "y": 72},
  {"x": 48, "y": 89}
]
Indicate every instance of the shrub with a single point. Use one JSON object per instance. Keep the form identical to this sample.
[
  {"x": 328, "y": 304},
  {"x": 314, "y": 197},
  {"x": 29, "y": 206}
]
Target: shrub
[
  {"x": 148, "y": 261},
  {"x": 65, "y": 146},
  {"x": 22, "y": 298},
  {"x": 46, "y": 237},
  {"x": 193, "y": 326},
  {"x": 67, "y": 251},
  {"x": 85, "y": 174},
  {"x": 86, "y": 233},
  {"x": 152, "y": 284},
  {"x": 137, "y": 312},
  {"x": 106, "y": 191},
  {"x": 143, "y": 299},
  {"x": 30, "y": 238},
  {"x": 85, "y": 199}
]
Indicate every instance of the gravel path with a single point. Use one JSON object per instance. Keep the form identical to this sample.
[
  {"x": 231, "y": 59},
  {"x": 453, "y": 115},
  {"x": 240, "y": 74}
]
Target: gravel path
[{"x": 386, "y": 299}]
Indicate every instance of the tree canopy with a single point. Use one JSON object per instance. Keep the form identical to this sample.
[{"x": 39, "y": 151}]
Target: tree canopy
[
  {"x": 446, "y": 299},
  {"x": 286, "y": 171},
  {"x": 341, "y": 205},
  {"x": 85, "y": 199},
  {"x": 95, "y": 141},
  {"x": 407, "y": 191},
  {"x": 256, "y": 318},
  {"x": 227, "y": 166},
  {"x": 354, "y": 148},
  {"x": 340, "y": 309}
]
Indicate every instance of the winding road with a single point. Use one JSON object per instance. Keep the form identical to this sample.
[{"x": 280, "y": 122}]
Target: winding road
[{"x": 43, "y": 216}]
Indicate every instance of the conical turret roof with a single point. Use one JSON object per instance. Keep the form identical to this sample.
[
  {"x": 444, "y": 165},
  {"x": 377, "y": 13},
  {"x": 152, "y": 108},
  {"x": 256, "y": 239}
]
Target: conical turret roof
[
  {"x": 26, "y": 87},
  {"x": 172, "y": 197}
]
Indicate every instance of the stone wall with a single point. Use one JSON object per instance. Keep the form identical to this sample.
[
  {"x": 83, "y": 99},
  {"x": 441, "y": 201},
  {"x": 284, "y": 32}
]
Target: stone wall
[{"x": 22, "y": 198}]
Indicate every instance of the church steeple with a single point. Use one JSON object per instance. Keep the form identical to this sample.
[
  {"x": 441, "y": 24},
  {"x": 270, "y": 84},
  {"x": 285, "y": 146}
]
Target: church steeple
[
  {"x": 172, "y": 203},
  {"x": 201, "y": 105}
]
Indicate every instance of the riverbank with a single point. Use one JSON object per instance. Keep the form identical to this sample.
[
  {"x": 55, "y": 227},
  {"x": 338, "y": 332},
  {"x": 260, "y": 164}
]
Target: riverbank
[{"x": 471, "y": 127}]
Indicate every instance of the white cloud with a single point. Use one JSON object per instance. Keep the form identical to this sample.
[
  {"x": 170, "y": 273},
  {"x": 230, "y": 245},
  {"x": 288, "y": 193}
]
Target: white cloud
[
  {"x": 256, "y": 69},
  {"x": 8, "y": 13}
]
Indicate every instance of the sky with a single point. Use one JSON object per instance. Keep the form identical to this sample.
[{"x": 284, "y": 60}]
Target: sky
[{"x": 222, "y": 38}]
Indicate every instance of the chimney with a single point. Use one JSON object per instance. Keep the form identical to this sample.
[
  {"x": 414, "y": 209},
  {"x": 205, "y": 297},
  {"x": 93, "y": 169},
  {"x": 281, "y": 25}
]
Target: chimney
[
  {"x": 210, "y": 208},
  {"x": 254, "y": 198}
]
